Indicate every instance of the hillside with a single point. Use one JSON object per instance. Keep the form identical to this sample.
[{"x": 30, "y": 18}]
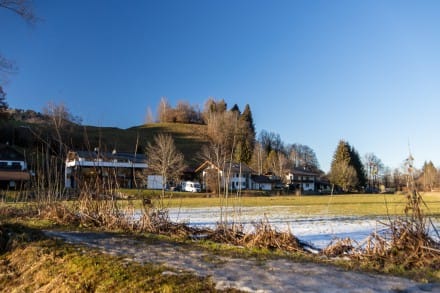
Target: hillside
[
  {"x": 30, "y": 133},
  {"x": 189, "y": 138}
]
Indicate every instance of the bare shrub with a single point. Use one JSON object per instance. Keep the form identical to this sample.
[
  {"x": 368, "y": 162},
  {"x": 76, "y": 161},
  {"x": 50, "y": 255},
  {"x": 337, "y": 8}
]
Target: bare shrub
[
  {"x": 339, "y": 247},
  {"x": 407, "y": 242},
  {"x": 264, "y": 236},
  {"x": 101, "y": 212},
  {"x": 157, "y": 221},
  {"x": 59, "y": 213}
]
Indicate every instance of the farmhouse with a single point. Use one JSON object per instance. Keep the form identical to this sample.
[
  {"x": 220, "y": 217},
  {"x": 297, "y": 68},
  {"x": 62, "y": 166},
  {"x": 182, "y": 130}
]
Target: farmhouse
[
  {"x": 300, "y": 179},
  {"x": 265, "y": 182},
  {"x": 235, "y": 175},
  {"x": 120, "y": 170},
  {"x": 13, "y": 168},
  {"x": 308, "y": 181}
]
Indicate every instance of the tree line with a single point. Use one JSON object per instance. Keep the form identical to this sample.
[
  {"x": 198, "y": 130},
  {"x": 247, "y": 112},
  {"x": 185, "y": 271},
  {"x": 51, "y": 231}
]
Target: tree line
[
  {"x": 233, "y": 138},
  {"x": 350, "y": 173}
]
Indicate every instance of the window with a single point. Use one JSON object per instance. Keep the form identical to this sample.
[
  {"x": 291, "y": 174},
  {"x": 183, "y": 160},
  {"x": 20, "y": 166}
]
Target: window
[{"x": 16, "y": 165}]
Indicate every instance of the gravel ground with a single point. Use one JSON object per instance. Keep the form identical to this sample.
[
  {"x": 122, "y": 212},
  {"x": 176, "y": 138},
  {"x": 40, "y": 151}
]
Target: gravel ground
[{"x": 281, "y": 275}]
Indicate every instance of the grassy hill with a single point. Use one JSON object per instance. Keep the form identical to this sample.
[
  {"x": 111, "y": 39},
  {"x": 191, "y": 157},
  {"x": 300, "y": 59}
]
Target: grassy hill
[
  {"x": 29, "y": 134},
  {"x": 189, "y": 138}
]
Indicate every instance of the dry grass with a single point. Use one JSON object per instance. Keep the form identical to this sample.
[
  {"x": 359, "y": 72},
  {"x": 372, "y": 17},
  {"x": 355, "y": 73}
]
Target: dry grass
[
  {"x": 32, "y": 263},
  {"x": 407, "y": 243},
  {"x": 405, "y": 246},
  {"x": 263, "y": 236}
]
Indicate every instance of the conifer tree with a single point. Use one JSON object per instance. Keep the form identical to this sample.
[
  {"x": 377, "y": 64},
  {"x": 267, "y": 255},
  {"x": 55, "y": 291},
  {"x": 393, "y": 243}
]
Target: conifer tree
[
  {"x": 342, "y": 173},
  {"x": 356, "y": 163},
  {"x": 236, "y": 109},
  {"x": 246, "y": 141}
]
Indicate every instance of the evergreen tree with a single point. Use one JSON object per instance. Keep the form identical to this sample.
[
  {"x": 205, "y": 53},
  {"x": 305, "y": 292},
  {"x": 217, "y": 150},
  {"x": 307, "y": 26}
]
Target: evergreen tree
[
  {"x": 247, "y": 116},
  {"x": 342, "y": 173},
  {"x": 246, "y": 138},
  {"x": 356, "y": 163},
  {"x": 236, "y": 109}
]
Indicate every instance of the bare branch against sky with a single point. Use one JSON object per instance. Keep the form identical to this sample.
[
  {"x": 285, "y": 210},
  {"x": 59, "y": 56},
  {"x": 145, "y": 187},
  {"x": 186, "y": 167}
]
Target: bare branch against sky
[{"x": 23, "y": 8}]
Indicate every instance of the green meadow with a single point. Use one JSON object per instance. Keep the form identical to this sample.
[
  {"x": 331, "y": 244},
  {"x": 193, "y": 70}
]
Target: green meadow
[{"x": 347, "y": 204}]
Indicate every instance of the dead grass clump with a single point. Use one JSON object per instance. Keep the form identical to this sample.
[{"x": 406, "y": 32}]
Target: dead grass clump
[
  {"x": 339, "y": 247},
  {"x": 407, "y": 243},
  {"x": 22, "y": 212},
  {"x": 264, "y": 236},
  {"x": 100, "y": 212},
  {"x": 223, "y": 233},
  {"x": 157, "y": 221},
  {"x": 58, "y": 213}
]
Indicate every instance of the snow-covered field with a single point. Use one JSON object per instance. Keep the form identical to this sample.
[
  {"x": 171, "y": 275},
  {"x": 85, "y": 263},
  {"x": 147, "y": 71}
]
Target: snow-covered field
[{"x": 318, "y": 230}]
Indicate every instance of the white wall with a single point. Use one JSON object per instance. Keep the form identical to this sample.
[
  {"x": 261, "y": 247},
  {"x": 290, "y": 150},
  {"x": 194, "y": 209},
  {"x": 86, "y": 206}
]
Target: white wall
[{"x": 154, "y": 181}]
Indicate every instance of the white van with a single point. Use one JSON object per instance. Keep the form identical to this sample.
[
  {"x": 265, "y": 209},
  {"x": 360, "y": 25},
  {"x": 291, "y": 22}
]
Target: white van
[{"x": 191, "y": 186}]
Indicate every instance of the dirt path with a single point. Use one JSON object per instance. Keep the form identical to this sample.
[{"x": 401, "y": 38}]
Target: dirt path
[{"x": 280, "y": 275}]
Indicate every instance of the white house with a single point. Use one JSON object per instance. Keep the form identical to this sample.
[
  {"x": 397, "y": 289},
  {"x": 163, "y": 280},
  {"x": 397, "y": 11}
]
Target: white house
[
  {"x": 118, "y": 169},
  {"x": 13, "y": 168},
  {"x": 236, "y": 175},
  {"x": 301, "y": 179},
  {"x": 263, "y": 182}
]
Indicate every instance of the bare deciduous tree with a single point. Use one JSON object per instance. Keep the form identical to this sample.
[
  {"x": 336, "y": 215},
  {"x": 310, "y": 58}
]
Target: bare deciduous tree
[
  {"x": 23, "y": 8},
  {"x": 374, "y": 167},
  {"x": 149, "y": 118},
  {"x": 343, "y": 175},
  {"x": 163, "y": 110},
  {"x": 429, "y": 176},
  {"x": 164, "y": 159}
]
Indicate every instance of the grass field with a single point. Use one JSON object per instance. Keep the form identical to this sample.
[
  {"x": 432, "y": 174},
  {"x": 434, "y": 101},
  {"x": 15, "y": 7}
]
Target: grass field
[{"x": 359, "y": 204}]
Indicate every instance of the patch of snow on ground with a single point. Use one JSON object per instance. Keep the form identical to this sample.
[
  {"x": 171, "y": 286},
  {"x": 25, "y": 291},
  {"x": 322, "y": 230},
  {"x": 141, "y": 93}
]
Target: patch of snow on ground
[{"x": 317, "y": 230}]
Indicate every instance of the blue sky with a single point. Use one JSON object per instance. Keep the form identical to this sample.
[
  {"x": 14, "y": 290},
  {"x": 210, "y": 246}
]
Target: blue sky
[{"x": 313, "y": 71}]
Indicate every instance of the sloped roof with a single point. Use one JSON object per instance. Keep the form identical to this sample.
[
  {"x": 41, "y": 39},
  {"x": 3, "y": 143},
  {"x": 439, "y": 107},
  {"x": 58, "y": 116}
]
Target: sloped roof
[
  {"x": 263, "y": 179},
  {"x": 107, "y": 156},
  {"x": 303, "y": 172},
  {"x": 237, "y": 167},
  {"x": 9, "y": 153},
  {"x": 233, "y": 166}
]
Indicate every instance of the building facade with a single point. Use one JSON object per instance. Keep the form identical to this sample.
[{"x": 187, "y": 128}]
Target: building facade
[
  {"x": 119, "y": 170},
  {"x": 13, "y": 168}
]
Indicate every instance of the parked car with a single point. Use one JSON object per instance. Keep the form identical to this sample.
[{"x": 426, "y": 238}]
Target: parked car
[{"x": 191, "y": 186}]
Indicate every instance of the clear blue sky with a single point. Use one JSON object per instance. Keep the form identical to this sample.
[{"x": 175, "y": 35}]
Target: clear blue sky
[{"x": 313, "y": 71}]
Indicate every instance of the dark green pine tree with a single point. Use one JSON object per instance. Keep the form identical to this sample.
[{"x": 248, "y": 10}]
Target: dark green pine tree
[
  {"x": 247, "y": 116},
  {"x": 236, "y": 109},
  {"x": 246, "y": 142},
  {"x": 356, "y": 162}
]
